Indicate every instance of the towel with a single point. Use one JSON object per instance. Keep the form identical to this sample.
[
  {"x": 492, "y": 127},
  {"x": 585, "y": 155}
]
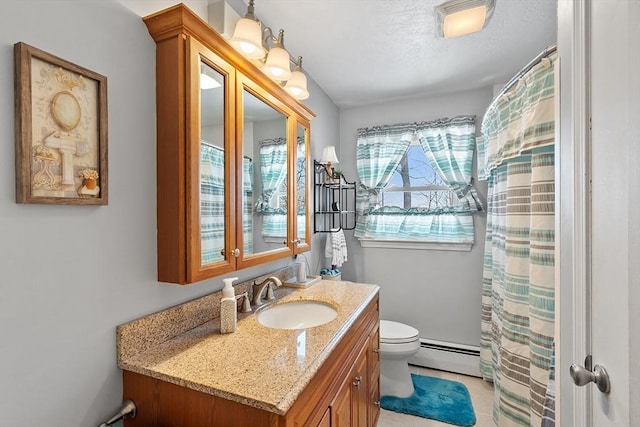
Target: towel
[{"x": 336, "y": 247}]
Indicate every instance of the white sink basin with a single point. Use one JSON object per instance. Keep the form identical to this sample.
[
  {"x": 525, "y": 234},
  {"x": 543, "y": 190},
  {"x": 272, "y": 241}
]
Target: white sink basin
[{"x": 297, "y": 315}]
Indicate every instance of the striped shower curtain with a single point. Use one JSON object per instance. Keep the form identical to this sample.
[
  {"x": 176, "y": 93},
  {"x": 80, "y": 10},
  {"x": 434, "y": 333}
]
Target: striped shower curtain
[{"x": 516, "y": 157}]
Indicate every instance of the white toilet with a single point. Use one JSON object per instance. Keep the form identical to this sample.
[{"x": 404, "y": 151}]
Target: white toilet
[{"x": 398, "y": 342}]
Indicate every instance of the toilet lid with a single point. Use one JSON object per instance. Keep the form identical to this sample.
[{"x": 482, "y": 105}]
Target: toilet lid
[{"x": 395, "y": 332}]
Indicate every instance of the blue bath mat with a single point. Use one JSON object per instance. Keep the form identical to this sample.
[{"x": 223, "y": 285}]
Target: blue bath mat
[{"x": 437, "y": 399}]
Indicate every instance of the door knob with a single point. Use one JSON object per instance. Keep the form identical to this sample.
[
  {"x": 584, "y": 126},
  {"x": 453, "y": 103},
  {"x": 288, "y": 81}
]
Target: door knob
[{"x": 582, "y": 376}]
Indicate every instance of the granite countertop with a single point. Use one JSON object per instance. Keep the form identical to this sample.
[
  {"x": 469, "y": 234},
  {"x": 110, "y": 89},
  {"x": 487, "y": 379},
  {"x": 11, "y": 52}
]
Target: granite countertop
[{"x": 257, "y": 366}]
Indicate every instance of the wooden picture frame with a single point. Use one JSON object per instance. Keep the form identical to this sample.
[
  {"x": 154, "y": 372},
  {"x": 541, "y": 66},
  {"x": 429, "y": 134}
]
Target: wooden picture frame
[{"x": 60, "y": 130}]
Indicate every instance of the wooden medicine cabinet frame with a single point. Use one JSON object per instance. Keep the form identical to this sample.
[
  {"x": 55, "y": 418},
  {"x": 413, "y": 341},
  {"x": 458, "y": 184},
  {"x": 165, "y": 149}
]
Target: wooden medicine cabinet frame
[{"x": 183, "y": 42}]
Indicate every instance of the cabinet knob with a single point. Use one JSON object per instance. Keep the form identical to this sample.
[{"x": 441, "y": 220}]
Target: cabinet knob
[
  {"x": 376, "y": 350},
  {"x": 377, "y": 403},
  {"x": 357, "y": 380},
  {"x": 235, "y": 252}
]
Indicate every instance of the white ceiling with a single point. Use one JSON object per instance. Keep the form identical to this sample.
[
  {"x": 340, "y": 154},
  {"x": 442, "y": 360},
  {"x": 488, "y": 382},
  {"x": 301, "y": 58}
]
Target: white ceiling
[{"x": 367, "y": 51}]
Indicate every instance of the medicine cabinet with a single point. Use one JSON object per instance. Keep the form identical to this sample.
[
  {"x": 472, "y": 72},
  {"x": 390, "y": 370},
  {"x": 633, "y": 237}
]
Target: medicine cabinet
[{"x": 232, "y": 164}]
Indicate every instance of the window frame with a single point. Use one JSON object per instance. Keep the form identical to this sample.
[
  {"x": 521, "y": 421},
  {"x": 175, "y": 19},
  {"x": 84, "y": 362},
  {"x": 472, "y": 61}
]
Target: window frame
[{"x": 415, "y": 243}]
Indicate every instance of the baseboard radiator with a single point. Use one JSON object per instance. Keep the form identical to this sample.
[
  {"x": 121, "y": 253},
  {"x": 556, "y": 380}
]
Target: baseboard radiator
[{"x": 446, "y": 356}]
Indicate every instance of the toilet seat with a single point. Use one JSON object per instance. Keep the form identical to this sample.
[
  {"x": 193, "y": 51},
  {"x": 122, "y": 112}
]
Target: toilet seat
[{"x": 397, "y": 333}]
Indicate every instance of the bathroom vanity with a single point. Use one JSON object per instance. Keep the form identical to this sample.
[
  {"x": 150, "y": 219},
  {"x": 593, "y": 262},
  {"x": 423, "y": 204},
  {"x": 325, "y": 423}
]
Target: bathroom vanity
[{"x": 327, "y": 375}]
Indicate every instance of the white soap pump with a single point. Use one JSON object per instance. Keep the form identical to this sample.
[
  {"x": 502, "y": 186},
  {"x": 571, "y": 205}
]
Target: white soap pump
[{"x": 228, "y": 308}]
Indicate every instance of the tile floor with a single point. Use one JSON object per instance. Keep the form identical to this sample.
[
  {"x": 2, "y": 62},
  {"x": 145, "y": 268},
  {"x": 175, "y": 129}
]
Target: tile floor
[{"x": 481, "y": 397}]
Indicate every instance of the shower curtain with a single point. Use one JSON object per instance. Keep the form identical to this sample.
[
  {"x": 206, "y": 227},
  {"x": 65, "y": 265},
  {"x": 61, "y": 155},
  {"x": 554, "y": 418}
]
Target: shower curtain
[{"x": 516, "y": 157}]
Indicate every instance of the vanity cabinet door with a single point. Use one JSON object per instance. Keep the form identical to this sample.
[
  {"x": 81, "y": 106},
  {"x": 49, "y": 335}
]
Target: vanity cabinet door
[
  {"x": 373, "y": 359},
  {"x": 326, "y": 419},
  {"x": 341, "y": 406},
  {"x": 360, "y": 398},
  {"x": 349, "y": 407}
]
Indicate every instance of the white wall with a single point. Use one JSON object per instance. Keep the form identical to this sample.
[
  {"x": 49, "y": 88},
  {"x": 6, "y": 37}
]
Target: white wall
[
  {"x": 70, "y": 274},
  {"x": 437, "y": 292}
]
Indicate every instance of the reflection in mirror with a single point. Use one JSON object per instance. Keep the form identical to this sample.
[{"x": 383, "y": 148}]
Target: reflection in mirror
[
  {"x": 212, "y": 165},
  {"x": 264, "y": 140},
  {"x": 301, "y": 183}
]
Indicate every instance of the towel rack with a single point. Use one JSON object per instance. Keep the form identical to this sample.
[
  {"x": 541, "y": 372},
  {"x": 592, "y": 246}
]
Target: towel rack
[{"x": 127, "y": 410}]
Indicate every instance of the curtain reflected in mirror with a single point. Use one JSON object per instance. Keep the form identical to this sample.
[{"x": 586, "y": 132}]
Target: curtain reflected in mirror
[
  {"x": 301, "y": 183},
  {"x": 264, "y": 139},
  {"x": 212, "y": 165}
]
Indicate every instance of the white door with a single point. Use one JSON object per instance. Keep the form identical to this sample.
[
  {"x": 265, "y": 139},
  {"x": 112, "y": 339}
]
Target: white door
[{"x": 600, "y": 243}]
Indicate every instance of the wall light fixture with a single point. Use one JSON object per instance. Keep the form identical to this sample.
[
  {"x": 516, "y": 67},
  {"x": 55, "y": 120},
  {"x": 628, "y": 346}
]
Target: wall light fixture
[{"x": 259, "y": 44}]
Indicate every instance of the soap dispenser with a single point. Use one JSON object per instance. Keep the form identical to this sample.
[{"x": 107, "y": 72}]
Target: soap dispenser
[{"x": 228, "y": 308}]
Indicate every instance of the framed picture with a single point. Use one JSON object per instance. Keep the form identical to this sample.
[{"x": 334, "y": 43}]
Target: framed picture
[{"x": 61, "y": 130}]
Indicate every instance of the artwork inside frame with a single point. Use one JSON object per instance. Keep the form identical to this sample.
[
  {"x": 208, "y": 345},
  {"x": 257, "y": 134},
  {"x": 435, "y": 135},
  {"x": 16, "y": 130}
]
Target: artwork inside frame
[{"x": 61, "y": 130}]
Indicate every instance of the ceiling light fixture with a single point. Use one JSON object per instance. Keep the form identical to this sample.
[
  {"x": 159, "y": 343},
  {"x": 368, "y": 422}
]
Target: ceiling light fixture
[
  {"x": 253, "y": 43},
  {"x": 460, "y": 17}
]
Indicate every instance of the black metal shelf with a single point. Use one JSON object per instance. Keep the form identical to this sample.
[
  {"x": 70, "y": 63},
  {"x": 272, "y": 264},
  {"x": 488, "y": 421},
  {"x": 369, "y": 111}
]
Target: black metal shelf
[{"x": 334, "y": 201}]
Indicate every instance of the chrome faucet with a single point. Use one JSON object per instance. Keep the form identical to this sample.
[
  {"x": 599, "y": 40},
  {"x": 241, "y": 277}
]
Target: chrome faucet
[{"x": 258, "y": 289}]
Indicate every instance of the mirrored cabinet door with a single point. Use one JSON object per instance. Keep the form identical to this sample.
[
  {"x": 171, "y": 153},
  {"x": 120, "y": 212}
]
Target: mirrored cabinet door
[
  {"x": 211, "y": 170},
  {"x": 301, "y": 181},
  {"x": 229, "y": 184},
  {"x": 264, "y": 199}
]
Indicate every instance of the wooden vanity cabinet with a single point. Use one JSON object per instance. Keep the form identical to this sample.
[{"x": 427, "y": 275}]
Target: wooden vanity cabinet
[
  {"x": 344, "y": 392},
  {"x": 349, "y": 407},
  {"x": 347, "y": 382},
  {"x": 206, "y": 221}
]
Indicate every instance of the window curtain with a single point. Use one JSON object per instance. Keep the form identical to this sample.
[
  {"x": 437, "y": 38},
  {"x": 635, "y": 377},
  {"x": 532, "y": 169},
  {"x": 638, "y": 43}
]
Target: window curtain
[
  {"x": 450, "y": 145},
  {"x": 247, "y": 205},
  {"x": 274, "y": 222},
  {"x": 379, "y": 151},
  {"x": 211, "y": 203},
  {"x": 273, "y": 171},
  {"x": 301, "y": 180},
  {"x": 517, "y": 325}
]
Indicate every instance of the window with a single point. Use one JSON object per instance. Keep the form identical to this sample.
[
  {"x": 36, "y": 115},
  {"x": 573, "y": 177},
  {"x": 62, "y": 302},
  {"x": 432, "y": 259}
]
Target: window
[
  {"x": 275, "y": 223},
  {"x": 279, "y": 200},
  {"x": 416, "y": 185}
]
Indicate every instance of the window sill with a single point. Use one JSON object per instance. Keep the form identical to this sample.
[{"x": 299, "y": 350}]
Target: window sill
[{"x": 406, "y": 244}]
